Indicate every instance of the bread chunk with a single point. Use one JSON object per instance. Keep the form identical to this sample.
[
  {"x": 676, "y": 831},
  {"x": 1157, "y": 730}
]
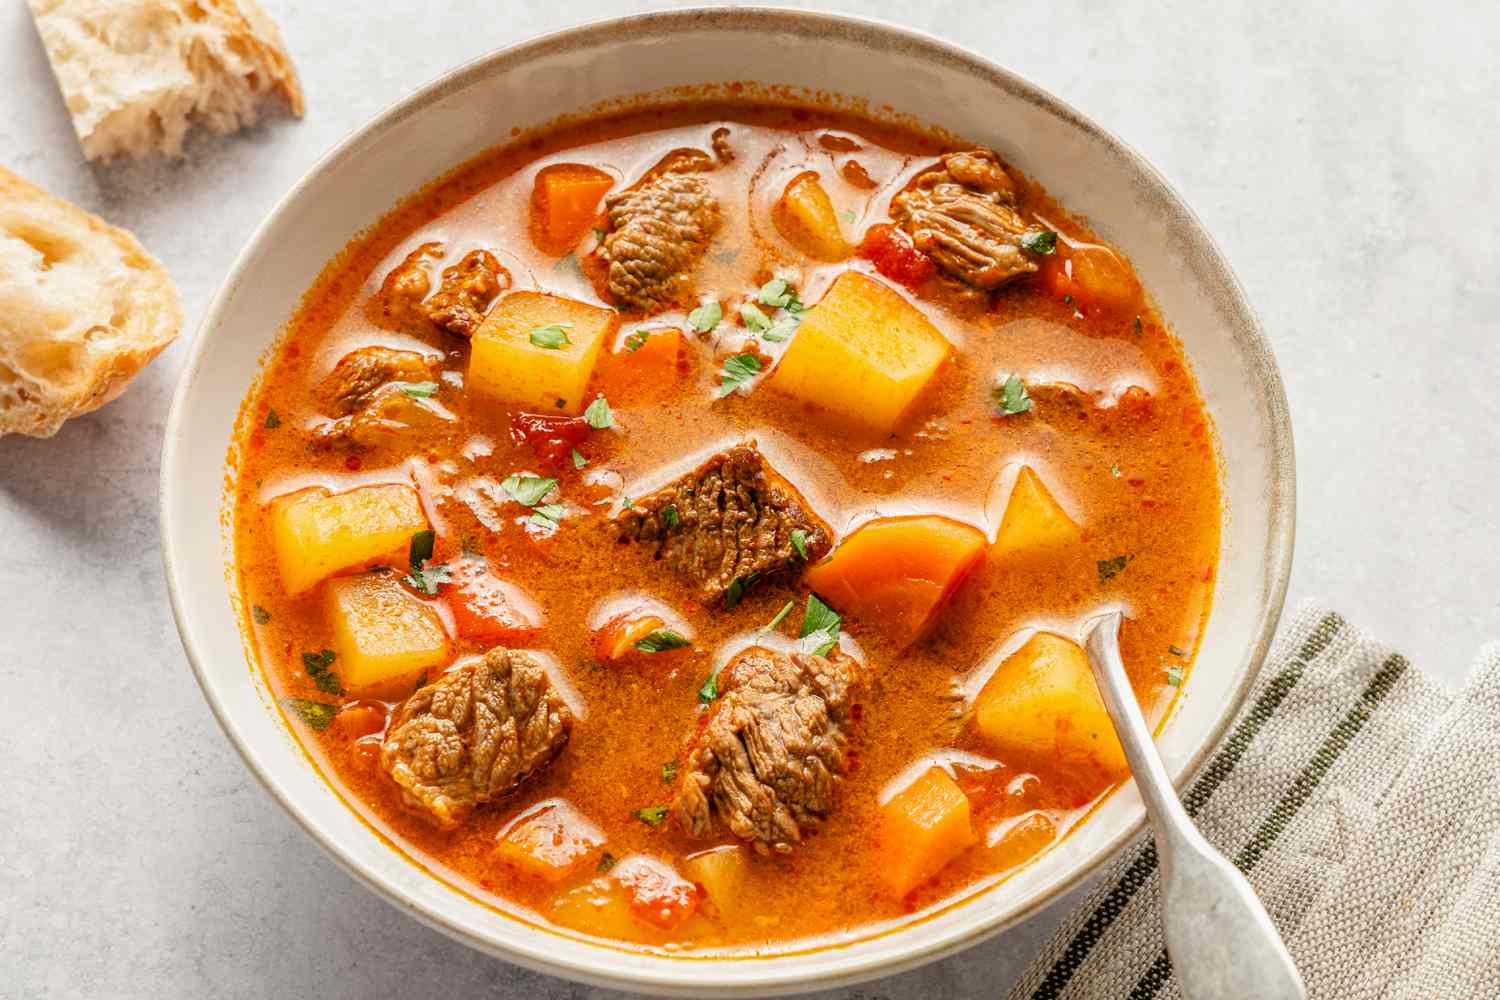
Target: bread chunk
[
  {"x": 83, "y": 307},
  {"x": 137, "y": 74}
]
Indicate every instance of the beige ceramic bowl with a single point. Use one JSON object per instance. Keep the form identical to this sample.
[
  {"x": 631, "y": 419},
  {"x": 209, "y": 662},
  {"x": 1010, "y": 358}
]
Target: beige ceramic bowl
[{"x": 475, "y": 107}]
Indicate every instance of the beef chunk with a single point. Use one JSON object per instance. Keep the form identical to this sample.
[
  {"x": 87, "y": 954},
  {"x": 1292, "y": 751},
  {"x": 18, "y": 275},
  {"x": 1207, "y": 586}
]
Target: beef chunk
[
  {"x": 465, "y": 293},
  {"x": 962, "y": 212},
  {"x": 371, "y": 407},
  {"x": 768, "y": 760},
  {"x": 659, "y": 230},
  {"x": 474, "y": 734},
  {"x": 726, "y": 524}
]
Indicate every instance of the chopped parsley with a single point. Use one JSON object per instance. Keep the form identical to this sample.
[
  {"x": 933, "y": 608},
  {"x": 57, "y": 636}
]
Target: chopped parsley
[
  {"x": 753, "y": 318},
  {"x": 710, "y": 689},
  {"x": 578, "y": 460},
  {"x": 598, "y": 233},
  {"x": 1111, "y": 567},
  {"x": 1174, "y": 676},
  {"x": 786, "y": 609},
  {"x": 547, "y": 515},
  {"x": 1137, "y": 326},
  {"x": 738, "y": 370},
  {"x": 799, "y": 542},
  {"x": 317, "y": 714},
  {"x": 651, "y": 815},
  {"x": 1042, "y": 241},
  {"x": 599, "y": 415},
  {"x": 736, "y": 589},
  {"x": 428, "y": 577},
  {"x": 259, "y": 614},
  {"x": 272, "y": 420},
  {"x": 417, "y": 390},
  {"x": 1010, "y": 397},
  {"x": 626, "y": 502},
  {"x": 420, "y": 549},
  {"x": 636, "y": 341},
  {"x": 662, "y": 640},
  {"x": 669, "y": 772},
  {"x": 319, "y": 667},
  {"x": 706, "y": 316},
  {"x": 848, "y": 217},
  {"x": 781, "y": 329},
  {"x": 528, "y": 491},
  {"x": 669, "y": 516},
  {"x": 820, "y": 622},
  {"x": 1114, "y": 470},
  {"x": 553, "y": 336},
  {"x": 777, "y": 294},
  {"x": 606, "y": 862}
]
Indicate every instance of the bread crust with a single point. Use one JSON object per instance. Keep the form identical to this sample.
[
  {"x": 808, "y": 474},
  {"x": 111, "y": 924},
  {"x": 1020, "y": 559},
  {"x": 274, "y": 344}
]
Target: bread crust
[
  {"x": 137, "y": 74},
  {"x": 83, "y": 308}
]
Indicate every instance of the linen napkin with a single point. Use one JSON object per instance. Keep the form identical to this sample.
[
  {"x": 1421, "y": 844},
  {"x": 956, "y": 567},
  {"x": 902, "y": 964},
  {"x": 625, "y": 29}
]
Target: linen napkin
[{"x": 1362, "y": 800}]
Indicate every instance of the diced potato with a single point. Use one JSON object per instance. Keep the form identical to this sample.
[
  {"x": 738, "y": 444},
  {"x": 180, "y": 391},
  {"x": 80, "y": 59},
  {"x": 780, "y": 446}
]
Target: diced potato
[
  {"x": 897, "y": 573},
  {"x": 385, "y": 637},
  {"x": 550, "y": 842},
  {"x": 922, "y": 828},
  {"x": 317, "y": 533},
  {"x": 805, "y": 216},
  {"x": 654, "y": 892},
  {"x": 505, "y": 364},
  {"x": 863, "y": 354},
  {"x": 1023, "y": 839},
  {"x": 721, "y": 872},
  {"x": 1033, "y": 520},
  {"x": 1041, "y": 708},
  {"x": 598, "y": 907},
  {"x": 565, "y": 203}
]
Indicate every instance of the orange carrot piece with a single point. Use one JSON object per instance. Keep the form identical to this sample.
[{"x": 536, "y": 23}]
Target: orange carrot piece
[
  {"x": 1091, "y": 277},
  {"x": 655, "y": 892},
  {"x": 923, "y": 828},
  {"x": 897, "y": 573},
  {"x": 550, "y": 842},
  {"x": 646, "y": 364},
  {"x": 487, "y": 608},
  {"x": 565, "y": 203}
]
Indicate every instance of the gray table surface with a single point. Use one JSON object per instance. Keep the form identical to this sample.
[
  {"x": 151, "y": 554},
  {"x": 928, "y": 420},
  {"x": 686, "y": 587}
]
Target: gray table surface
[{"x": 1344, "y": 154}]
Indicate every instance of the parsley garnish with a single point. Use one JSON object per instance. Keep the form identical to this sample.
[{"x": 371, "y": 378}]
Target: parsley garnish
[
  {"x": 626, "y": 502},
  {"x": 1010, "y": 397},
  {"x": 1174, "y": 676},
  {"x": 1111, "y": 567},
  {"x": 821, "y": 622},
  {"x": 420, "y": 549},
  {"x": 528, "y": 491},
  {"x": 547, "y": 515},
  {"x": 635, "y": 341},
  {"x": 259, "y": 614},
  {"x": 428, "y": 576},
  {"x": 661, "y": 640},
  {"x": 606, "y": 862},
  {"x": 1042, "y": 241},
  {"x": 317, "y": 714},
  {"x": 319, "y": 667},
  {"x": 553, "y": 336},
  {"x": 669, "y": 772},
  {"x": 799, "y": 542},
  {"x": 599, "y": 415},
  {"x": 1114, "y": 470},
  {"x": 753, "y": 318},
  {"x": 736, "y": 589},
  {"x": 706, "y": 316},
  {"x": 669, "y": 516},
  {"x": 777, "y": 294},
  {"x": 578, "y": 460},
  {"x": 598, "y": 233},
  {"x": 786, "y": 609},
  {"x": 417, "y": 390},
  {"x": 651, "y": 815},
  {"x": 272, "y": 420},
  {"x": 848, "y": 217},
  {"x": 710, "y": 689},
  {"x": 781, "y": 329},
  {"x": 738, "y": 370}
]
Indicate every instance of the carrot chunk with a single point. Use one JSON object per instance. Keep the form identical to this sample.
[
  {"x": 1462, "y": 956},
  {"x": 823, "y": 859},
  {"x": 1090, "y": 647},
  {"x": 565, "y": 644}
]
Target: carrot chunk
[
  {"x": 923, "y": 828},
  {"x": 655, "y": 892},
  {"x": 487, "y": 608},
  {"x": 646, "y": 365},
  {"x": 549, "y": 842},
  {"x": 898, "y": 572},
  {"x": 565, "y": 203},
  {"x": 1092, "y": 277}
]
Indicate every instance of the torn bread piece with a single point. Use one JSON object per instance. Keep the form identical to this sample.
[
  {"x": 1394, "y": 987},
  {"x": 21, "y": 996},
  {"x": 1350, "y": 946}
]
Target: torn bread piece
[
  {"x": 83, "y": 307},
  {"x": 137, "y": 74}
]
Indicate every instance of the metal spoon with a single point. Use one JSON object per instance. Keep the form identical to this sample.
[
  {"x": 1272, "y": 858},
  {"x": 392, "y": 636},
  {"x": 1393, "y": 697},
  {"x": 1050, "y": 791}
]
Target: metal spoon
[{"x": 1222, "y": 943}]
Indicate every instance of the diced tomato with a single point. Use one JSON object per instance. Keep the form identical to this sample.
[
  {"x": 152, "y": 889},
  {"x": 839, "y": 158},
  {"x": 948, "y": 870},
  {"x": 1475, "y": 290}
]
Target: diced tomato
[
  {"x": 553, "y": 438},
  {"x": 894, "y": 256},
  {"x": 616, "y": 637},
  {"x": 655, "y": 892},
  {"x": 1091, "y": 278},
  {"x": 488, "y": 609}
]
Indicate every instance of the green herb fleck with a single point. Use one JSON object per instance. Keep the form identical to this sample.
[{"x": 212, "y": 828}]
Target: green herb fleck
[
  {"x": 848, "y": 217},
  {"x": 1137, "y": 327},
  {"x": 528, "y": 491},
  {"x": 820, "y": 622},
  {"x": 599, "y": 414},
  {"x": 786, "y": 609},
  {"x": 598, "y": 233},
  {"x": 710, "y": 689},
  {"x": 1042, "y": 241},
  {"x": 1114, "y": 470},
  {"x": 626, "y": 502},
  {"x": 319, "y": 667},
  {"x": 1068, "y": 298},
  {"x": 428, "y": 577},
  {"x": 774, "y": 294},
  {"x": 547, "y": 515},
  {"x": 662, "y": 640},
  {"x": 781, "y": 330},
  {"x": 1111, "y": 567},
  {"x": 635, "y": 341},
  {"x": 669, "y": 772},
  {"x": 669, "y": 516},
  {"x": 578, "y": 460},
  {"x": 706, "y": 316},
  {"x": 753, "y": 318},
  {"x": 606, "y": 862},
  {"x": 736, "y": 589},
  {"x": 417, "y": 390},
  {"x": 259, "y": 614},
  {"x": 553, "y": 336},
  {"x": 738, "y": 370},
  {"x": 1010, "y": 397},
  {"x": 272, "y": 420},
  {"x": 420, "y": 549},
  {"x": 651, "y": 815},
  {"x": 317, "y": 714},
  {"x": 799, "y": 542},
  {"x": 1174, "y": 676}
]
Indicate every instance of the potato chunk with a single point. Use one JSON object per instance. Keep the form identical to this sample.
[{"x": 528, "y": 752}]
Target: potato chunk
[
  {"x": 1042, "y": 709},
  {"x": 805, "y": 216},
  {"x": 721, "y": 872},
  {"x": 512, "y": 360},
  {"x": 862, "y": 354},
  {"x": 550, "y": 842},
  {"x": 317, "y": 533},
  {"x": 385, "y": 637},
  {"x": 1033, "y": 520},
  {"x": 923, "y": 828},
  {"x": 898, "y": 572}
]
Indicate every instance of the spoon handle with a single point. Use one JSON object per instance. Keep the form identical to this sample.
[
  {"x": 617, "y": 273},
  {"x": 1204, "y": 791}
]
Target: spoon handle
[{"x": 1222, "y": 943}]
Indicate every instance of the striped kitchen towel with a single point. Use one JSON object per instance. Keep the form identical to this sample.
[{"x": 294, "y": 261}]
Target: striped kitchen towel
[{"x": 1362, "y": 799}]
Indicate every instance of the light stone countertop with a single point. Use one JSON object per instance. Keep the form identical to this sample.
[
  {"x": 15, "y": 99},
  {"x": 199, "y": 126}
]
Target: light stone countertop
[{"x": 1343, "y": 154}]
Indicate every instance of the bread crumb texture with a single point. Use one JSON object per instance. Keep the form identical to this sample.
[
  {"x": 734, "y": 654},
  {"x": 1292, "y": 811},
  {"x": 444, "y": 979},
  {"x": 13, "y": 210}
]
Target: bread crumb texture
[
  {"x": 137, "y": 74},
  {"x": 83, "y": 307}
]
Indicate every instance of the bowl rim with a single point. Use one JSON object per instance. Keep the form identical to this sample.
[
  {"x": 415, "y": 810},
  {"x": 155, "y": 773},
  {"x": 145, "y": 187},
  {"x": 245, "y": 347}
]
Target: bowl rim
[{"x": 597, "y": 967}]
